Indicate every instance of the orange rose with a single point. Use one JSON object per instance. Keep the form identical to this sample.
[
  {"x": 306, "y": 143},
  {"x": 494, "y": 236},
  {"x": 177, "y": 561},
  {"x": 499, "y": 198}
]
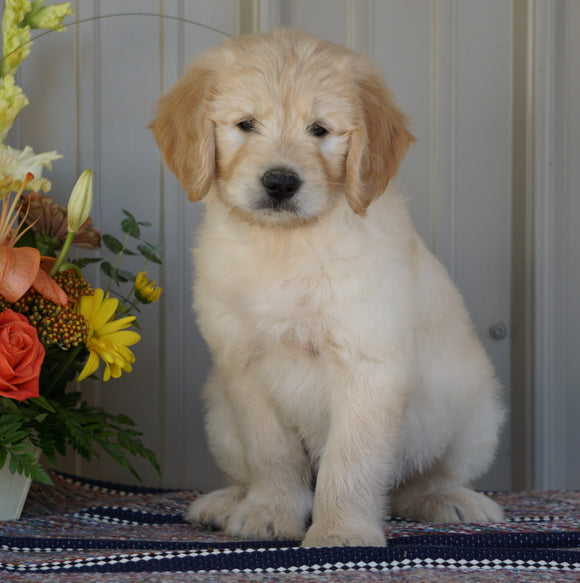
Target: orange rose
[{"x": 21, "y": 356}]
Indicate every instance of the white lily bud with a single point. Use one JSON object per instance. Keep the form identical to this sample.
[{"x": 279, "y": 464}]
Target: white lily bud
[{"x": 80, "y": 202}]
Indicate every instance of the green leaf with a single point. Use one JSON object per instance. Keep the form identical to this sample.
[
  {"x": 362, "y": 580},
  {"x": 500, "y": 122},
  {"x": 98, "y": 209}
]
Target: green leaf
[
  {"x": 47, "y": 244},
  {"x": 4, "y": 407},
  {"x": 84, "y": 261},
  {"x": 113, "y": 244},
  {"x": 123, "y": 310},
  {"x": 117, "y": 275},
  {"x": 148, "y": 251},
  {"x": 23, "y": 460},
  {"x": 28, "y": 239},
  {"x": 10, "y": 425},
  {"x": 125, "y": 275},
  {"x": 42, "y": 402},
  {"x": 39, "y": 474},
  {"x": 108, "y": 270},
  {"x": 125, "y": 420},
  {"x": 130, "y": 226},
  {"x": 13, "y": 465}
]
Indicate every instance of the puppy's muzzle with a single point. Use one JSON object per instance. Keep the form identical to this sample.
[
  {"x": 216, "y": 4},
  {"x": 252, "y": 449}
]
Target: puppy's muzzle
[{"x": 281, "y": 184}]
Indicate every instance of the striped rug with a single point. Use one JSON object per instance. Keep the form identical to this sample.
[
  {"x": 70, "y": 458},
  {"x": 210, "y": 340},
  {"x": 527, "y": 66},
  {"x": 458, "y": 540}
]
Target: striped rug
[{"x": 81, "y": 530}]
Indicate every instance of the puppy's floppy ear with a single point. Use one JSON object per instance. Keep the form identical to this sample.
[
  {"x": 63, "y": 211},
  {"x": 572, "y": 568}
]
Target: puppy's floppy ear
[
  {"x": 184, "y": 133},
  {"x": 378, "y": 144}
]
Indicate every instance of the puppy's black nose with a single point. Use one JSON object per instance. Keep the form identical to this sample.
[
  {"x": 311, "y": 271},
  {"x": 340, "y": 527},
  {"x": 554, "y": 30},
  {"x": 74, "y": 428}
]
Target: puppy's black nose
[{"x": 281, "y": 183}]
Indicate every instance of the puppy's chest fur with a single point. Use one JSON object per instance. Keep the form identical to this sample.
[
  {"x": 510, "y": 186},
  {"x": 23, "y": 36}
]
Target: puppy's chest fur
[
  {"x": 286, "y": 302},
  {"x": 287, "y": 307},
  {"x": 318, "y": 294}
]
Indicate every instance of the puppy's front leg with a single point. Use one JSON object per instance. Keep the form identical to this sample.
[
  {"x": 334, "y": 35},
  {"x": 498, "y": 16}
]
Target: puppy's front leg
[
  {"x": 278, "y": 496},
  {"x": 264, "y": 458},
  {"x": 355, "y": 466}
]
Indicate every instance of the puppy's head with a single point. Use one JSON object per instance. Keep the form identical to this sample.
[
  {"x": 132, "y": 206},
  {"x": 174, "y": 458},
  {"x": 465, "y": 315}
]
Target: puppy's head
[{"x": 282, "y": 124}]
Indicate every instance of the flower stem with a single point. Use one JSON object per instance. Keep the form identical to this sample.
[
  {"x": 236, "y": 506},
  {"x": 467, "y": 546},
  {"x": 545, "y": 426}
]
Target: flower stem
[
  {"x": 63, "y": 253},
  {"x": 116, "y": 266},
  {"x": 135, "y": 301},
  {"x": 72, "y": 357}
]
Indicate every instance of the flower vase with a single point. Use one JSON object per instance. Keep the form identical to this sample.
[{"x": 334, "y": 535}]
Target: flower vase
[{"x": 13, "y": 491}]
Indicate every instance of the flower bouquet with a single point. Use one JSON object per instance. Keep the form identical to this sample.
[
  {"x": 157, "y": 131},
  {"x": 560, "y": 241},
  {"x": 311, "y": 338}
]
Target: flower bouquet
[{"x": 56, "y": 328}]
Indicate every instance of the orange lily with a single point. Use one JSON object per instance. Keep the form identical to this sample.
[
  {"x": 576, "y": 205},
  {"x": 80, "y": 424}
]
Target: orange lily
[{"x": 23, "y": 267}]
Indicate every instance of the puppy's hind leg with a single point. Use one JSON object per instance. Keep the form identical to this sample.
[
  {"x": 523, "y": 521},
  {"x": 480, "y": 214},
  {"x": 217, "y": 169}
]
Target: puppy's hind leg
[
  {"x": 442, "y": 493},
  {"x": 438, "y": 498}
]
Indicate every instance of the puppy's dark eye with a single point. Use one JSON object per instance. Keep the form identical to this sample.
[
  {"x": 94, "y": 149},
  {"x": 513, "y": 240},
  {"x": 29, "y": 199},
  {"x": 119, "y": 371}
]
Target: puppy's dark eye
[
  {"x": 318, "y": 130},
  {"x": 247, "y": 125}
]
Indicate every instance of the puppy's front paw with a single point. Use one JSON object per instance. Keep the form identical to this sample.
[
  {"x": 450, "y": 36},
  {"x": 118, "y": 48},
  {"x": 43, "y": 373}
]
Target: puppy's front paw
[
  {"x": 320, "y": 535},
  {"x": 212, "y": 511},
  {"x": 268, "y": 515}
]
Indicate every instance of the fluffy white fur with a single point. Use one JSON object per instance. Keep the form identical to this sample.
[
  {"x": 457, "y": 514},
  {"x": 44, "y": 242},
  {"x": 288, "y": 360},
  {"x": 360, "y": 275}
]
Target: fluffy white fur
[{"x": 347, "y": 379}]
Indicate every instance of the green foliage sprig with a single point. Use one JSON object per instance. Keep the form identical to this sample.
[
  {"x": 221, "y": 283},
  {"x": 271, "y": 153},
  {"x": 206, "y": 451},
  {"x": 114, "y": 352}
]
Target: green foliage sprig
[
  {"x": 131, "y": 227},
  {"x": 54, "y": 425}
]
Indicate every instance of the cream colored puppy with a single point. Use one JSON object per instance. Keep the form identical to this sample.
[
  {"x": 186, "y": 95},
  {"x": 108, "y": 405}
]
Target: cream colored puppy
[{"x": 347, "y": 379}]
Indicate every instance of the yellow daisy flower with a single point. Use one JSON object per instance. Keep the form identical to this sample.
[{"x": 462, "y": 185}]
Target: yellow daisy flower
[
  {"x": 147, "y": 291},
  {"x": 107, "y": 337}
]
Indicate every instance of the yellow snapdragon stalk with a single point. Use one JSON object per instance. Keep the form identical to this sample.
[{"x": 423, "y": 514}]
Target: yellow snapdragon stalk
[
  {"x": 20, "y": 16},
  {"x": 49, "y": 17},
  {"x": 12, "y": 101},
  {"x": 16, "y": 38}
]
